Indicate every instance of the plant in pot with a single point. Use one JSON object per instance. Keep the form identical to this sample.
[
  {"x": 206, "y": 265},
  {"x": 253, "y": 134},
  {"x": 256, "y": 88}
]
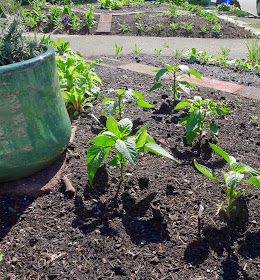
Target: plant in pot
[{"x": 34, "y": 123}]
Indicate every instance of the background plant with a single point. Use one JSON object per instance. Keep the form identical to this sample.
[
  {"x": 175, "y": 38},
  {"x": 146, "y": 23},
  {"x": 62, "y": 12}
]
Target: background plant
[
  {"x": 197, "y": 122},
  {"x": 117, "y": 49},
  {"x": 89, "y": 19},
  {"x": 117, "y": 135},
  {"x": 253, "y": 51},
  {"x": 234, "y": 177},
  {"x": 136, "y": 49},
  {"x": 123, "y": 100},
  {"x": 15, "y": 43},
  {"x": 179, "y": 84}
]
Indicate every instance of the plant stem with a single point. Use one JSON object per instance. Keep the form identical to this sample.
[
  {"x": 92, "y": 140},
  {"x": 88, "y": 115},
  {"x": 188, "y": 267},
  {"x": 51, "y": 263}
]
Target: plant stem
[{"x": 122, "y": 170}]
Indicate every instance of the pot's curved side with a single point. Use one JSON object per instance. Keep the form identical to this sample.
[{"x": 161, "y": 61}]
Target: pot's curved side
[{"x": 34, "y": 123}]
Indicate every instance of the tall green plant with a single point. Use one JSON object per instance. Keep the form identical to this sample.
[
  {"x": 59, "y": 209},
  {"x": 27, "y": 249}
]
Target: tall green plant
[{"x": 253, "y": 51}]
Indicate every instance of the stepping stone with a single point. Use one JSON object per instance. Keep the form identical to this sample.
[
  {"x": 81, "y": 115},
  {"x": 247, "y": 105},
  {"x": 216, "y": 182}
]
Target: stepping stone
[{"x": 104, "y": 24}]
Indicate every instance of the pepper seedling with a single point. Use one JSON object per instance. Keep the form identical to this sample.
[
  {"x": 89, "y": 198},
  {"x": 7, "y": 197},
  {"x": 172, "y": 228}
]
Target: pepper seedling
[
  {"x": 232, "y": 178},
  {"x": 196, "y": 122},
  {"x": 127, "y": 147}
]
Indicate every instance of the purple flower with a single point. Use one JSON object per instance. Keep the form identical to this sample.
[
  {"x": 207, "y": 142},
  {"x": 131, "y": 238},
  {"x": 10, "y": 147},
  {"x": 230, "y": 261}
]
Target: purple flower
[
  {"x": 65, "y": 19},
  {"x": 18, "y": 13}
]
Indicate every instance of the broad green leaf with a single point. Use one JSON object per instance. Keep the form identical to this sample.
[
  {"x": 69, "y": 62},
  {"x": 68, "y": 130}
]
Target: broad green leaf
[
  {"x": 114, "y": 161},
  {"x": 205, "y": 171},
  {"x": 193, "y": 121},
  {"x": 144, "y": 104},
  {"x": 196, "y": 74},
  {"x": 190, "y": 137},
  {"x": 156, "y": 149},
  {"x": 185, "y": 87},
  {"x": 233, "y": 178},
  {"x": 110, "y": 107},
  {"x": 192, "y": 59},
  {"x": 160, "y": 74},
  {"x": 138, "y": 94},
  {"x": 181, "y": 105},
  {"x": 130, "y": 95},
  {"x": 141, "y": 139},
  {"x": 185, "y": 69},
  {"x": 128, "y": 149},
  {"x": 149, "y": 139},
  {"x": 106, "y": 99},
  {"x": 213, "y": 128},
  {"x": 229, "y": 159},
  {"x": 125, "y": 126},
  {"x": 254, "y": 180},
  {"x": 95, "y": 157},
  {"x": 112, "y": 124},
  {"x": 155, "y": 86}
]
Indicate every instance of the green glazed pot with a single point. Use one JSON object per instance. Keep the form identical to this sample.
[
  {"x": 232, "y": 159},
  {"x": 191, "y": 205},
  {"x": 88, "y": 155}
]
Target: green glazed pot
[{"x": 34, "y": 124}]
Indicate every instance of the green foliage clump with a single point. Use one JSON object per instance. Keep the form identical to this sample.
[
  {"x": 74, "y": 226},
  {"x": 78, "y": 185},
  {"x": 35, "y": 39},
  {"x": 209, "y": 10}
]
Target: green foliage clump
[{"x": 15, "y": 44}]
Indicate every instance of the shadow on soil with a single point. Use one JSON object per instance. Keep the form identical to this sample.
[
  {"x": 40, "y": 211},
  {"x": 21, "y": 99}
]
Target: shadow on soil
[
  {"x": 222, "y": 242},
  {"x": 141, "y": 220}
]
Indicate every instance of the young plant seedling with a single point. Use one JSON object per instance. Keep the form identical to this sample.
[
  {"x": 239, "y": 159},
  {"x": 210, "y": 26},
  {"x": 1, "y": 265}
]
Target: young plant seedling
[
  {"x": 158, "y": 52},
  {"x": 179, "y": 84},
  {"x": 117, "y": 49},
  {"x": 232, "y": 178},
  {"x": 124, "y": 99},
  {"x": 117, "y": 136},
  {"x": 136, "y": 49},
  {"x": 196, "y": 122}
]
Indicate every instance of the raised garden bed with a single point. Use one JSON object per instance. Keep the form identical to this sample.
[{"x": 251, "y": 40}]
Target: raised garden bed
[{"x": 151, "y": 230}]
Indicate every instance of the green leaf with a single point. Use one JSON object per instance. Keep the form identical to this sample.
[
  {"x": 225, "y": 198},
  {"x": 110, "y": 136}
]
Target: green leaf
[
  {"x": 109, "y": 108},
  {"x": 213, "y": 129},
  {"x": 254, "y": 180},
  {"x": 182, "y": 104},
  {"x": 160, "y": 74},
  {"x": 155, "y": 86},
  {"x": 106, "y": 99},
  {"x": 144, "y": 104},
  {"x": 128, "y": 149},
  {"x": 141, "y": 140},
  {"x": 185, "y": 69},
  {"x": 112, "y": 124},
  {"x": 125, "y": 126},
  {"x": 95, "y": 157},
  {"x": 114, "y": 161},
  {"x": 190, "y": 137},
  {"x": 138, "y": 94},
  {"x": 156, "y": 149},
  {"x": 193, "y": 121},
  {"x": 229, "y": 159},
  {"x": 192, "y": 59},
  {"x": 233, "y": 178},
  {"x": 205, "y": 171},
  {"x": 196, "y": 74}
]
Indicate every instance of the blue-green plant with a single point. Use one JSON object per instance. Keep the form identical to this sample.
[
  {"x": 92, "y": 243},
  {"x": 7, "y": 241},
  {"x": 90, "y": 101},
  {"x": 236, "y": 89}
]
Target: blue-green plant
[
  {"x": 233, "y": 178},
  {"x": 123, "y": 100},
  {"x": 176, "y": 74},
  {"x": 117, "y": 136},
  {"x": 197, "y": 121}
]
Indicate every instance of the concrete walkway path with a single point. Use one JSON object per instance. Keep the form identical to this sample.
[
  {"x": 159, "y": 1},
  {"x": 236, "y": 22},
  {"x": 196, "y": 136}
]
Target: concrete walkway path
[{"x": 89, "y": 45}]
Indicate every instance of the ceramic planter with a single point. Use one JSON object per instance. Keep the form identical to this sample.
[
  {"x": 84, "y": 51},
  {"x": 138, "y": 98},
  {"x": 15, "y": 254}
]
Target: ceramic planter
[{"x": 34, "y": 124}]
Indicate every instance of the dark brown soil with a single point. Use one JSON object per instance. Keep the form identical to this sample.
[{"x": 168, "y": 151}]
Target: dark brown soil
[
  {"x": 158, "y": 24},
  {"x": 155, "y": 23},
  {"x": 151, "y": 230}
]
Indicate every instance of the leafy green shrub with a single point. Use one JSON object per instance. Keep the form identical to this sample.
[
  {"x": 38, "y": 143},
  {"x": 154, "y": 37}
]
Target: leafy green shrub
[
  {"x": 224, "y": 7},
  {"x": 196, "y": 123},
  {"x": 199, "y": 2},
  {"x": 240, "y": 13},
  {"x": 232, "y": 178},
  {"x": 117, "y": 135},
  {"x": 15, "y": 44}
]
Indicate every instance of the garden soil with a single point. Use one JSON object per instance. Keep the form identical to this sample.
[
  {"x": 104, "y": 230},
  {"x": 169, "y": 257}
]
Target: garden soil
[{"x": 150, "y": 230}]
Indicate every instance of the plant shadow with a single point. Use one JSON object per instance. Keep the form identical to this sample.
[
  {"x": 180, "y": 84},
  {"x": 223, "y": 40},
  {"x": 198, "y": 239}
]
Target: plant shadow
[{"x": 222, "y": 241}]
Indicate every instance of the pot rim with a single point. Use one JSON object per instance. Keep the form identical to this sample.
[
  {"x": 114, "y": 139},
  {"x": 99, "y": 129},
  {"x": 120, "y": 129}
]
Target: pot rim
[{"x": 9, "y": 67}]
